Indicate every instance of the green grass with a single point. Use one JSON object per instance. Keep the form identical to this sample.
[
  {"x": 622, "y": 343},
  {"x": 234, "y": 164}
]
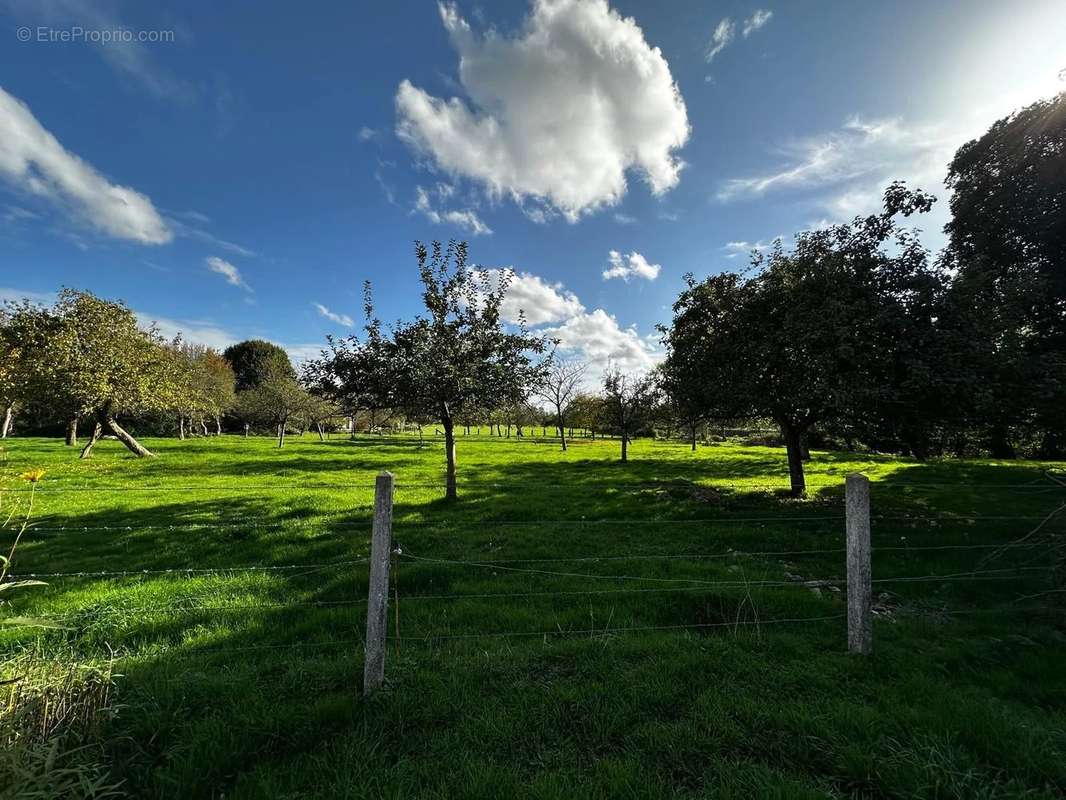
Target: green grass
[{"x": 246, "y": 683}]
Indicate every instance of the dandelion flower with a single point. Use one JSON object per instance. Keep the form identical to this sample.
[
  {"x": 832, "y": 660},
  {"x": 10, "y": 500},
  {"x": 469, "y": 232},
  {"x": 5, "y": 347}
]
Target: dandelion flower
[{"x": 33, "y": 476}]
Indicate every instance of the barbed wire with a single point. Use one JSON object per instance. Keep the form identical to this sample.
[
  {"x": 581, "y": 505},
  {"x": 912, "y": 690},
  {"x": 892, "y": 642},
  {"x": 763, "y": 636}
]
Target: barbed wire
[
  {"x": 440, "y": 485},
  {"x": 622, "y": 629},
  {"x": 186, "y": 570},
  {"x": 704, "y": 582},
  {"x": 431, "y": 637},
  {"x": 326, "y": 523}
]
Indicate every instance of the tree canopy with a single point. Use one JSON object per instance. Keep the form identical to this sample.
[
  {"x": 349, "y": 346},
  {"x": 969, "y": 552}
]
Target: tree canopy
[
  {"x": 254, "y": 360},
  {"x": 1007, "y": 310},
  {"x": 817, "y": 333},
  {"x": 456, "y": 358}
]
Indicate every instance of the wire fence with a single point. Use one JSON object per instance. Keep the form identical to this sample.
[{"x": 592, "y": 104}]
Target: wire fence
[{"x": 534, "y": 568}]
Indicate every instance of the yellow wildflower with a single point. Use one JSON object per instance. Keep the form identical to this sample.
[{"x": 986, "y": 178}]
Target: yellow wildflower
[{"x": 33, "y": 476}]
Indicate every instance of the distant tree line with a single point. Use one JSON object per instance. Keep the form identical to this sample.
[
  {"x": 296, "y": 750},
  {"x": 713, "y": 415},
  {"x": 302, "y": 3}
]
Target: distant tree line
[{"x": 857, "y": 335}]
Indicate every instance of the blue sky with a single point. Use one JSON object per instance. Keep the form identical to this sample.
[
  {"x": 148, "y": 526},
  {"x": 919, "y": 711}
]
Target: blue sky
[{"x": 237, "y": 171}]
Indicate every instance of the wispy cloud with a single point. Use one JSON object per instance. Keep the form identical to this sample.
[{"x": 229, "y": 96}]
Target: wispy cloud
[
  {"x": 725, "y": 32},
  {"x": 33, "y": 161},
  {"x": 188, "y": 231},
  {"x": 466, "y": 219},
  {"x": 128, "y": 57},
  {"x": 228, "y": 271},
  {"x": 855, "y": 163},
  {"x": 756, "y": 21},
  {"x": 737, "y": 248},
  {"x": 723, "y": 35},
  {"x": 340, "y": 319}
]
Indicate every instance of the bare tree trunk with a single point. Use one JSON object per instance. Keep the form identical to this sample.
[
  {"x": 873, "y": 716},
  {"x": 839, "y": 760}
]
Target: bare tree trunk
[
  {"x": 281, "y": 435},
  {"x": 421, "y": 437},
  {"x": 449, "y": 451},
  {"x": 181, "y": 428},
  {"x": 218, "y": 426},
  {"x": 693, "y": 431},
  {"x": 203, "y": 425},
  {"x": 625, "y": 447},
  {"x": 7, "y": 420},
  {"x": 98, "y": 430},
  {"x": 321, "y": 438},
  {"x": 72, "y": 432},
  {"x": 246, "y": 428},
  {"x": 562, "y": 434},
  {"x": 123, "y": 436},
  {"x": 999, "y": 444},
  {"x": 794, "y": 447}
]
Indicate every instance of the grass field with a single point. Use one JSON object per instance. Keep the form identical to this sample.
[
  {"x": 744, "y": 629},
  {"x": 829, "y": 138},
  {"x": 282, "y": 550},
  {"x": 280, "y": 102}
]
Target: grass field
[{"x": 615, "y": 637}]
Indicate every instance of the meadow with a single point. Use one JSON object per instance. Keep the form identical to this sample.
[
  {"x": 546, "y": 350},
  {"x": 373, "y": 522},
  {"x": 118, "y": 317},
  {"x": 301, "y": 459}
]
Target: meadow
[{"x": 572, "y": 627}]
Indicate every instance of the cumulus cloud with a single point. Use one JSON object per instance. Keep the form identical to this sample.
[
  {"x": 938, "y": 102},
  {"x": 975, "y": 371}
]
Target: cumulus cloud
[
  {"x": 466, "y": 219},
  {"x": 558, "y": 113},
  {"x": 633, "y": 265},
  {"x": 32, "y": 160},
  {"x": 534, "y": 298},
  {"x": 597, "y": 339},
  {"x": 227, "y": 270},
  {"x": 340, "y": 319}
]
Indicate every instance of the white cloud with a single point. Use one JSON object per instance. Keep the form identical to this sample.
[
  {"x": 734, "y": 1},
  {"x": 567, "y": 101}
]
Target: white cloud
[
  {"x": 193, "y": 331},
  {"x": 737, "y": 248},
  {"x": 33, "y": 161},
  {"x": 625, "y": 219},
  {"x": 18, "y": 295},
  {"x": 848, "y": 168},
  {"x": 633, "y": 265},
  {"x": 723, "y": 34},
  {"x": 180, "y": 228},
  {"x": 366, "y": 134},
  {"x": 597, "y": 339},
  {"x": 726, "y": 31},
  {"x": 340, "y": 319},
  {"x": 756, "y": 21},
  {"x": 557, "y": 114},
  {"x": 302, "y": 352},
  {"x": 858, "y": 160},
  {"x": 539, "y": 301},
  {"x": 227, "y": 270},
  {"x": 466, "y": 219}
]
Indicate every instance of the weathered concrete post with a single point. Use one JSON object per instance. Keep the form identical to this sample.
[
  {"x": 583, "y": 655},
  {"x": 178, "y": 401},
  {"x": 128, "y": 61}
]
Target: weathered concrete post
[
  {"x": 378, "y": 599},
  {"x": 860, "y": 601}
]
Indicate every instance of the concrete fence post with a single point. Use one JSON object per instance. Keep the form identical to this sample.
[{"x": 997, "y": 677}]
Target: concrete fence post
[
  {"x": 378, "y": 598},
  {"x": 860, "y": 600}
]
